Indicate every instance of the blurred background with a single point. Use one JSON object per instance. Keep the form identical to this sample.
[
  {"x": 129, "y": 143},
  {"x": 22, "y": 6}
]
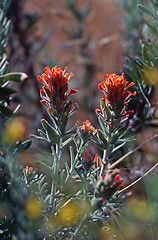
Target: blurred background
[
  {"x": 92, "y": 38},
  {"x": 86, "y": 36}
]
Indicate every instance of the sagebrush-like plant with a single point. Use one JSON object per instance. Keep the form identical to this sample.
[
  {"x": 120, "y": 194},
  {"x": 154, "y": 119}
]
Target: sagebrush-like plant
[{"x": 75, "y": 194}]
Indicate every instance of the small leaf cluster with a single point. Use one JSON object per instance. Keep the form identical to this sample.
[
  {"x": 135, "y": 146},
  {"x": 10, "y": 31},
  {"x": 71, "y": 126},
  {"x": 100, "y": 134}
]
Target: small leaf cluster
[{"x": 142, "y": 70}]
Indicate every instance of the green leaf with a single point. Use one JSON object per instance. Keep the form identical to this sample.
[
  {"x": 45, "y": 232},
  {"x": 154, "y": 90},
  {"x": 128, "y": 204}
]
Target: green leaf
[
  {"x": 6, "y": 111},
  {"x": 51, "y": 132},
  {"x": 37, "y": 137},
  {"x": 4, "y": 68},
  {"x": 15, "y": 76},
  {"x": 125, "y": 132},
  {"x": 43, "y": 135},
  {"x": 23, "y": 146},
  {"x": 152, "y": 29},
  {"x": 72, "y": 156},
  {"x": 67, "y": 168},
  {"x": 145, "y": 10},
  {"x": 103, "y": 125},
  {"x": 6, "y": 91},
  {"x": 119, "y": 146},
  {"x": 43, "y": 164},
  {"x": 102, "y": 137},
  {"x": 84, "y": 147},
  {"x": 67, "y": 141},
  {"x": 42, "y": 189}
]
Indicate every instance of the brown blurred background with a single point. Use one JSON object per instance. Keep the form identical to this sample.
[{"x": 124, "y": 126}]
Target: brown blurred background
[
  {"x": 101, "y": 28},
  {"x": 86, "y": 36}
]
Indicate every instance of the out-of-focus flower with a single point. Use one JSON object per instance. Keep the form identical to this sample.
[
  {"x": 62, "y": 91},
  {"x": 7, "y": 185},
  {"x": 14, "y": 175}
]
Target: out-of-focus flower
[
  {"x": 140, "y": 208},
  {"x": 15, "y": 131},
  {"x": 29, "y": 170},
  {"x": 150, "y": 76},
  {"x": 107, "y": 232},
  {"x": 87, "y": 161},
  {"x": 115, "y": 89},
  {"x": 113, "y": 179},
  {"x": 1, "y": 153},
  {"x": 33, "y": 208},
  {"x": 106, "y": 186},
  {"x": 118, "y": 181},
  {"x": 69, "y": 212},
  {"x": 97, "y": 162}
]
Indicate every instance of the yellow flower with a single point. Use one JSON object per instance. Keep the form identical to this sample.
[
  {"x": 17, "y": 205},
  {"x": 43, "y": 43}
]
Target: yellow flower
[
  {"x": 69, "y": 213},
  {"x": 150, "y": 76},
  {"x": 140, "y": 208},
  {"x": 15, "y": 131},
  {"x": 33, "y": 208}
]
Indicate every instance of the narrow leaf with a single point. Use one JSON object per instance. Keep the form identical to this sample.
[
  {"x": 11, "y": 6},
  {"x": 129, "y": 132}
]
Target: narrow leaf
[
  {"x": 72, "y": 156},
  {"x": 145, "y": 10},
  {"x": 16, "y": 76}
]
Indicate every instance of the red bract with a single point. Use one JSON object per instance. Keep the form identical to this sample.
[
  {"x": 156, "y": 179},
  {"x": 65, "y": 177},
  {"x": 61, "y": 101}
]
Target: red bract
[
  {"x": 118, "y": 181},
  {"x": 97, "y": 162},
  {"x": 115, "y": 90},
  {"x": 85, "y": 130},
  {"x": 87, "y": 127},
  {"x": 55, "y": 90},
  {"x": 87, "y": 161}
]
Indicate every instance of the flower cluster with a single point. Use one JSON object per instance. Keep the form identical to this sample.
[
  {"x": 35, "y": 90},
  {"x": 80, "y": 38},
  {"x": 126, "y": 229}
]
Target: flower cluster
[
  {"x": 106, "y": 186},
  {"x": 115, "y": 90},
  {"x": 88, "y": 162},
  {"x": 95, "y": 173},
  {"x": 85, "y": 130},
  {"x": 86, "y": 127},
  {"x": 116, "y": 97},
  {"x": 55, "y": 94}
]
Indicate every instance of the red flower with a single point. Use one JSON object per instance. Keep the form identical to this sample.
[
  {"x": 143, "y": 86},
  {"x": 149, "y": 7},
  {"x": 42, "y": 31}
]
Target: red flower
[
  {"x": 115, "y": 90},
  {"x": 118, "y": 181},
  {"x": 97, "y": 161},
  {"x": 87, "y": 157},
  {"x": 87, "y": 161},
  {"x": 55, "y": 95},
  {"x": 55, "y": 90},
  {"x": 87, "y": 127},
  {"x": 29, "y": 170},
  {"x": 85, "y": 130}
]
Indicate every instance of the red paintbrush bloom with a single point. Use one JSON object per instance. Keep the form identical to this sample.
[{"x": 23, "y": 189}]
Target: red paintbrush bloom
[
  {"x": 97, "y": 162},
  {"x": 87, "y": 161},
  {"x": 115, "y": 90},
  {"x": 55, "y": 95},
  {"x": 87, "y": 127},
  {"x": 85, "y": 130},
  {"x": 29, "y": 170},
  {"x": 118, "y": 181},
  {"x": 55, "y": 90}
]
